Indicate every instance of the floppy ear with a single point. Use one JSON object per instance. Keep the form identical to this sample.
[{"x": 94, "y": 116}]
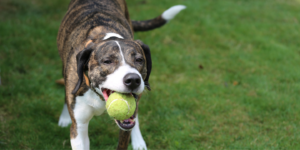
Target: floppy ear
[
  {"x": 82, "y": 59},
  {"x": 147, "y": 53}
]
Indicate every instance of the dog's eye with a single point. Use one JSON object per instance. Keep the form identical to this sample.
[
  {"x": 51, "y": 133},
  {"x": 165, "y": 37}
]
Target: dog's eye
[
  {"x": 139, "y": 60},
  {"x": 107, "y": 61}
]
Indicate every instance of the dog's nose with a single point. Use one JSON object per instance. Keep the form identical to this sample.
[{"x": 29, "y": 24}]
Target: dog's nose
[{"x": 132, "y": 80}]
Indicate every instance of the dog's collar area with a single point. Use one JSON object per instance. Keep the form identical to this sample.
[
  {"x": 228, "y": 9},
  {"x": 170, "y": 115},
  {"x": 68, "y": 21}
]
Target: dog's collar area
[
  {"x": 101, "y": 97},
  {"x": 88, "y": 83}
]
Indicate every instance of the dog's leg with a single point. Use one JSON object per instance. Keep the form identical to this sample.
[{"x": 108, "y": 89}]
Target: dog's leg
[
  {"x": 137, "y": 140},
  {"x": 64, "y": 119},
  {"x": 83, "y": 113},
  {"x": 124, "y": 137},
  {"x": 82, "y": 141}
]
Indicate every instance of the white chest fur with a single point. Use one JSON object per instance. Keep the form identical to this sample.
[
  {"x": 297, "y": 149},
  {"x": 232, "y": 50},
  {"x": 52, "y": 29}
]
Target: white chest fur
[{"x": 88, "y": 105}]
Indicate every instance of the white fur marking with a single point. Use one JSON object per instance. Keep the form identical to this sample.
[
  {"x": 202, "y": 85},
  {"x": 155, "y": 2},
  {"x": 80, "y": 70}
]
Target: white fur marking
[
  {"x": 123, "y": 59},
  {"x": 172, "y": 12},
  {"x": 137, "y": 140},
  {"x": 86, "y": 107},
  {"x": 64, "y": 119},
  {"x": 82, "y": 141},
  {"x": 109, "y": 35},
  {"x": 114, "y": 81},
  {"x": 91, "y": 99}
]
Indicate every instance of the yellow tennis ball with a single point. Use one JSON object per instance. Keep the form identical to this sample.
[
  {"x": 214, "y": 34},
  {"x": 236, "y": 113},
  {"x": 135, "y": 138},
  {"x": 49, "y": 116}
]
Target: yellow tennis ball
[{"x": 120, "y": 106}]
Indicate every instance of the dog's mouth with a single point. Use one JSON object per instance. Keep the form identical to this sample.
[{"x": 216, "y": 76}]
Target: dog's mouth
[{"x": 126, "y": 124}]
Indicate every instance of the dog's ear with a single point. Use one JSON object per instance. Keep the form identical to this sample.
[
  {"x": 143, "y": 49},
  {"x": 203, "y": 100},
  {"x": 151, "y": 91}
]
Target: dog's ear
[
  {"x": 82, "y": 61},
  {"x": 147, "y": 53}
]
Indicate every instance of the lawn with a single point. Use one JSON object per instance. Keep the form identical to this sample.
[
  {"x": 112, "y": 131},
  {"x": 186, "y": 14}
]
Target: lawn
[{"x": 225, "y": 76}]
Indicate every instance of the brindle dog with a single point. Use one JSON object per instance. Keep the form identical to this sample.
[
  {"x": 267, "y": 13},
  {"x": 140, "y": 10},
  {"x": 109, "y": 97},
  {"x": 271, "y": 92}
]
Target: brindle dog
[{"x": 95, "y": 42}]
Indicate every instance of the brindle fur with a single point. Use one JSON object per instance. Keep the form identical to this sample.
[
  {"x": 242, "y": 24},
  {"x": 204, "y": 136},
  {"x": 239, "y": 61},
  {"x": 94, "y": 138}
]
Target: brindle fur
[
  {"x": 124, "y": 137},
  {"x": 90, "y": 20},
  {"x": 148, "y": 24},
  {"x": 109, "y": 49},
  {"x": 85, "y": 25}
]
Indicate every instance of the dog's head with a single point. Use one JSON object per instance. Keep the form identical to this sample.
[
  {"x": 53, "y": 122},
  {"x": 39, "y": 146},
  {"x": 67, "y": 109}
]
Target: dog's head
[{"x": 115, "y": 65}]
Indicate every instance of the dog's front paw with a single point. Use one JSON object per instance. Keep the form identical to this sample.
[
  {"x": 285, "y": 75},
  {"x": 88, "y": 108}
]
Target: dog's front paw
[{"x": 138, "y": 144}]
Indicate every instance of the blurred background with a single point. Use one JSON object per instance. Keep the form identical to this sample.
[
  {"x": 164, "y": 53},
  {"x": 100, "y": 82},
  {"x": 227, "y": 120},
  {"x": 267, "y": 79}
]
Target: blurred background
[{"x": 225, "y": 76}]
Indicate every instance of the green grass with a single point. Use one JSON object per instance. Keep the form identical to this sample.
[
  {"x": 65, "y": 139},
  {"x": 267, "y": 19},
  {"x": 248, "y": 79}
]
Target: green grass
[{"x": 245, "y": 97}]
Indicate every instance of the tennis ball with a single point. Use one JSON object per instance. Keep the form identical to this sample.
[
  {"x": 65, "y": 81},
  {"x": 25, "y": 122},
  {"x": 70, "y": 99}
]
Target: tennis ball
[{"x": 120, "y": 106}]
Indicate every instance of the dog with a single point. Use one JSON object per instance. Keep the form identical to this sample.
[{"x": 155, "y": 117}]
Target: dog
[{"x": 100, "y": 56}]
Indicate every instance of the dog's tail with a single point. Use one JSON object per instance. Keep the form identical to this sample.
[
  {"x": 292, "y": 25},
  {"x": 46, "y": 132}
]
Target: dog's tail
[{"x": 158, "y": 21}]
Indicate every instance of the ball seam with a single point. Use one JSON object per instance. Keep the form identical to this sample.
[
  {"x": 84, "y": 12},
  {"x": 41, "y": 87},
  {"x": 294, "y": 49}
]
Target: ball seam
[{"x": 122, "y": 100}]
